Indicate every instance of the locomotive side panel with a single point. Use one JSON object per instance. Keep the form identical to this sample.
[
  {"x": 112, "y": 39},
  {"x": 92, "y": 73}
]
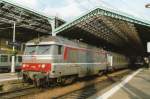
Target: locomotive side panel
[
  {"x": 81, "y": 62},
  {"x": 86, "y": 61},
  {"x": 68, "y": 64}
]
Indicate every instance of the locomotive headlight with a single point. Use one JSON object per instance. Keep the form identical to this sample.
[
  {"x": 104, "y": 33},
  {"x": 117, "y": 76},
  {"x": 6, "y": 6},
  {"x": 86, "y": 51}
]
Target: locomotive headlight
[
  {"x": 43, "y": 66},
  {"x": 39, "y": 65},
  {"x": 27, "y": 65},
  {"x": 24, "y": 65}
]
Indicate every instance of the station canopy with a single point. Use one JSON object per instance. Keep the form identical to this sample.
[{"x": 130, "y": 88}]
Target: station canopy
[
  {"x": 111, "y": 29},
  {"x": 28, "y": 22}
]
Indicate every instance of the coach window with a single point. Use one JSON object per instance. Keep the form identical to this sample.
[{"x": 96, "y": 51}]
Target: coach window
[
  {"x": 4, "y": 58},
  {"x": 19, "y": 59}
]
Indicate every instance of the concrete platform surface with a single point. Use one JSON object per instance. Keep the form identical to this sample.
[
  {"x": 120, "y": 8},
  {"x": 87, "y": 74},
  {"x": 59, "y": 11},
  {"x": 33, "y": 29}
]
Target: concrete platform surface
[
  {"x": 137, "y": 88},
  {"x": 9, "y": 76},
  {"x": 134, "y": 86}
]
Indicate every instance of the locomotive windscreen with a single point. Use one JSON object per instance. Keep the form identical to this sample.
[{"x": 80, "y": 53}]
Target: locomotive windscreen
[
  {"x": 43, "y": 49},
  {"x": 29, "y": 50}
]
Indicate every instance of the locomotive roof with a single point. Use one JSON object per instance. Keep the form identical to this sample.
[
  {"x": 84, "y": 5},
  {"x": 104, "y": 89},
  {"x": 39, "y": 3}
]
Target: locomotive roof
[
  {"x": 44, "y": 40},
  {"x": 48, "y": 39}
]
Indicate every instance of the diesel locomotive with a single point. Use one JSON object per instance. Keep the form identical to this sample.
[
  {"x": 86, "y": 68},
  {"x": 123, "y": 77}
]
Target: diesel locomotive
[{"x": 55, "y": 59}]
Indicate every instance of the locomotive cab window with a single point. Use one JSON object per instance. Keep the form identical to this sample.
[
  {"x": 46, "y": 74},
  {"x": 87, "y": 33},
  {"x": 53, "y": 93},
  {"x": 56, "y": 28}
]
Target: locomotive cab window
[
  {"x": 29, "y": 50},
  {"x": 49, "y": 49},
  {"x": 56, "y": 50},
  {"x": 44, "y": 50}
]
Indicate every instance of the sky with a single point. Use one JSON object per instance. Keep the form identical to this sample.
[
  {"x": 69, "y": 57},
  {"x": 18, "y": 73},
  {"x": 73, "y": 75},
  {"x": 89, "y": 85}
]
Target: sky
[{"x": 69, "y": 9}]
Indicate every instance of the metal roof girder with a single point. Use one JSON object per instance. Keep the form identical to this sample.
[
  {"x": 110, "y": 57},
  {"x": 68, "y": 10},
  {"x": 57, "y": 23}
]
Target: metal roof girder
[
  {"x": 120, "y": 17},
  {"x": 89, "y": 28},
  {"x": 102, "y": 12},
  {"x": 25, "y": 8},
  {"x": 8, "y": 17},
  {"x": 30, "y": 27},
  {"x": 109, "y": 14},
  {"x": 110, "y": 24},
  {"x": 15, "y": 17},
  {"x": 103, "y": 33},
  {"x": 6, "y": 21},
  {"x": 12, "y": 20},
  {"x": 33, "y": 28},
  {"x": 120, "y": 31},
  {"x": 83, "y": 18}
]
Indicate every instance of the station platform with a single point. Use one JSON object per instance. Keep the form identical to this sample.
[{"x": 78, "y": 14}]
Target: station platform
[
  {"x": 137, "y": 88},
  {"x": 134, "y": 86},
  {"x": 5, "y": 77}
]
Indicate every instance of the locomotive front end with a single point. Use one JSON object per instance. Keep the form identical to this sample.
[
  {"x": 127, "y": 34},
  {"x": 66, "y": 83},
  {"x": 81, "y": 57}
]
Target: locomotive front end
[{"x": 37, "y": 62}]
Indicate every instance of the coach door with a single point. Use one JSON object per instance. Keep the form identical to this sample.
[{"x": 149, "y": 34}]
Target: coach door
[{"x": 110, "y": 60}]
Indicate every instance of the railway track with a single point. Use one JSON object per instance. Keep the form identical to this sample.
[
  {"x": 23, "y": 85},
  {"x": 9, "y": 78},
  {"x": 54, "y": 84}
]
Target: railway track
[
  {"x": 79, "y": 90},
  {"x": 85, "y": 92},
  {"x": 93, "y": 88},
  {"x": 17, "y": 92}
]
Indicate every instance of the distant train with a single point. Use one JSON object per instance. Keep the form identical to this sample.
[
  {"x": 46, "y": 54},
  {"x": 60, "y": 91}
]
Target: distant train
[
  {"x": 57, "y": 60},
  {"x": 5, "y": 62}
]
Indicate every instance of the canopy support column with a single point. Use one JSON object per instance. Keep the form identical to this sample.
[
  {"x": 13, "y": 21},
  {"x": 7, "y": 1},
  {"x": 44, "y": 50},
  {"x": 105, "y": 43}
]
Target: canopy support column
[{"x": 13, "y": 56}]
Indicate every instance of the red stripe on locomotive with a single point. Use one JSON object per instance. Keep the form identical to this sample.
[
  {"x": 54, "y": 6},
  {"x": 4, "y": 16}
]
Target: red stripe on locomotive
[
  {"x": 38, "y": 67},
  {"x": 65, "y": 53}
]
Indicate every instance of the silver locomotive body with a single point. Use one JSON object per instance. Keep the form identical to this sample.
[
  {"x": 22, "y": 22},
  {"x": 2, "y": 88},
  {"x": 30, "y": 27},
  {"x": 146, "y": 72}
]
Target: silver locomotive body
[{"x": 57, "y": 58}]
